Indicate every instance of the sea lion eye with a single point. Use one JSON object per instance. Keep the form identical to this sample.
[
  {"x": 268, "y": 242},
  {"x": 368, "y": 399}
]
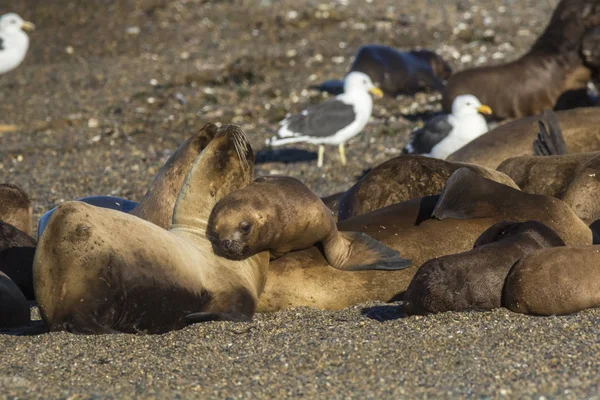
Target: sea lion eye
[{"x": 245, "y": 226}]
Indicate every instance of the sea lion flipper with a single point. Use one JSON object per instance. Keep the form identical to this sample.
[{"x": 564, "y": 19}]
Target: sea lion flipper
[
  {"x": 549, "y": 142},
  {"x": 216, "y": 316},
  {"x": 357, "y": 251}
]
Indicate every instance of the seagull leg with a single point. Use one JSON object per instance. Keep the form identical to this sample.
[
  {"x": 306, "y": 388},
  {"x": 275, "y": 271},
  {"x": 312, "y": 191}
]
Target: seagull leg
[
  {"x": 321, "y": 152},
  {"x": 342, "y": 153}
]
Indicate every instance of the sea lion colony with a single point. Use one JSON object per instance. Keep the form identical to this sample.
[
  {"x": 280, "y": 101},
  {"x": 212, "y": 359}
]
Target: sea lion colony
[{"x": 504, "y": 223}]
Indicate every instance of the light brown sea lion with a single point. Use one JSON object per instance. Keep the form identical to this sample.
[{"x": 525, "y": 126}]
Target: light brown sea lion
[
  {"x": 14, "y": 309},
  {"x": 403, "y": 178},
  {"x": 16, "y": 257},
  {"x": 473, "y": 280},
  {"x": 397, "y": 72},
  {"x": 468, "y": 195},
  {"x": 580, "y": 128},
  {"x": 552, "y": 67},
  {"x": 555, "y": 281},
  {"x": 98, "y": 270},
  {"x": 15, "y": 208},
  {"x": 280, "y": 214}
]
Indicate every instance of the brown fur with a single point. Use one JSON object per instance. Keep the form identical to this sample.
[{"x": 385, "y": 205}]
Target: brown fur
[
  {"x": 98, "y": 270},
  {"x": 15, "y": 208},
  {"x": 590, "y": 51},
  {"x": 473, "y": 280},
  {"x": 573, "y": 178},
  {"x": 14, "y": 309},
  {"x": 403, "y": 178},
  {"x": 580, "y": 128},
  {"x": 555, "y": 281},
  {"x": 552, "y": 67},
  {"x": 280, "y": 214},
  {"x": 468, "y": 195}
]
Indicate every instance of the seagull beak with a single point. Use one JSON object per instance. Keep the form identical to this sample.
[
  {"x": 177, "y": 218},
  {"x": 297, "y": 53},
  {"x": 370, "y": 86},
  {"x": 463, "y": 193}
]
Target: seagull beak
[
  {"x": 28, "y": 26},
  {"x": 484, "y": 110},
  {"x": 376, "y": 92}
]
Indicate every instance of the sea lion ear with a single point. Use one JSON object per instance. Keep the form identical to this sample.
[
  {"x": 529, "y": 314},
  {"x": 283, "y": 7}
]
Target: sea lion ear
[{"x": 216, "y": 316}]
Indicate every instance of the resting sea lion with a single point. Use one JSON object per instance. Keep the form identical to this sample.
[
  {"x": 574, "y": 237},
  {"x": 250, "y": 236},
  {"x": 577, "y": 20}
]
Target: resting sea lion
[
  {"x": 474, "y": 280},
  {"x": 403, "y": 178},
  {"x": 98, "y": 270},
  {"x": 280, "y": 214},
  {"x": 14, "y": 309},
  {"x": 552, "y": 67},
  {"x": 16, "y": 257},
  {"x": 396, "y": 72},
  {"x": 15, "y": 208},
  {"x": 555, "y": 281},
  {"x": 580, "y": 128},
  {"x": 157, "y": 204}
]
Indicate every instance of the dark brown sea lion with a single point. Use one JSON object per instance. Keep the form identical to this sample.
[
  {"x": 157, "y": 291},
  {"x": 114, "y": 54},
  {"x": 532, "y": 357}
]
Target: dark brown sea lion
[
  {"x": 14, "y": 309},
  {"x": 552, "y": 67},
  {"x": 397, "y": 72},
  {"x": 590, "y": 50},
  {"x": 550, "y": 140},
  {"x": 16, "y": 257},
  {"x": 280, "y": 214},
  {"x": 15, "y": 208},
  {"x": 580, "y": 128},
  {"x": 555, "y": 281},
  {"x": 468, "y": 195},
  {"x": 99, "y": 271},
  {"x": 403, "y": 178},
  {"x": 474, "y": 280}
]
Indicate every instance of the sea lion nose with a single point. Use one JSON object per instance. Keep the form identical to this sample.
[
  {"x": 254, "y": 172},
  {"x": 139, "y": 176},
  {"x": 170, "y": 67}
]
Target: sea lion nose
[{"x": 226, "y": 243}]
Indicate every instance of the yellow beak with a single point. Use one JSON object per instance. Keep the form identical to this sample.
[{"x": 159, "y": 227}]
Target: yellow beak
[
  {"x": 28, "y": 26},
  {"x": 376, "y": 92},
  {"x": 484, "y": 109}
]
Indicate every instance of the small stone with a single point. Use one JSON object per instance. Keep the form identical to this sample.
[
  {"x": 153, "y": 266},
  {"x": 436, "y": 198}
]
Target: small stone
[
  {"x": 93, "y": 123},
  {"x": 133, "y": 30},
  {"x": 69, "y": 49},
  {"x": 20, "y": 158}
]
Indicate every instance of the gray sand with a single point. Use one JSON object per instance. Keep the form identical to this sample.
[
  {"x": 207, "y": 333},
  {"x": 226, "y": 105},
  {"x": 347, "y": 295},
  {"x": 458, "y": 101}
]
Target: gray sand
[{"x": 93, "y": 123}]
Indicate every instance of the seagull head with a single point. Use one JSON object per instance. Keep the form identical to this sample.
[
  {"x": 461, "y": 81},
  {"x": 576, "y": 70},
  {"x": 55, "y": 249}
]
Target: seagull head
[
  {"x": 11, "y": 22},
  {"x": 359, "y": 81},
  {"x": 468, "y": 104}
]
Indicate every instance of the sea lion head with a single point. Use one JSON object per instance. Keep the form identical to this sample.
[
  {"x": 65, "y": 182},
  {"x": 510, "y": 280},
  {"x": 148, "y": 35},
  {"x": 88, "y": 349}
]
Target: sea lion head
[{"x": 590, "y": 48}]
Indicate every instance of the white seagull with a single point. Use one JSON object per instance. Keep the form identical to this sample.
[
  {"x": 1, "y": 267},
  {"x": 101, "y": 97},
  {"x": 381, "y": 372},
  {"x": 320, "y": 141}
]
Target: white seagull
[
  {"x": 14, "y": 42},
  {"x": 334, "y": 121},
  {"x": 444, "y": 134}
]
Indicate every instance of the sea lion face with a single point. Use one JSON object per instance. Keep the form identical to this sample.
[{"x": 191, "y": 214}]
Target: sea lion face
[{"x": 590, "y": 48}]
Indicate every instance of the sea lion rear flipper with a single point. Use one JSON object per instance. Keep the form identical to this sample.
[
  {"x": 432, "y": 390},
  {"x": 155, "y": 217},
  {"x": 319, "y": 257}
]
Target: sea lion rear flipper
[
  {"x": 549, "y": 142},
  {"x": 357, "y": 251},
  {"x": 216, "y": 316}
]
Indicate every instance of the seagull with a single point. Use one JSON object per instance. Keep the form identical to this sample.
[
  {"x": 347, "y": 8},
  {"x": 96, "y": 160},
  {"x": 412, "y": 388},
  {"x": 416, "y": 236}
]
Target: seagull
[
  {"x": 334, "y": 121},
  {"x": 14, "y": 42},
  {"x": 444, "y": 134}
]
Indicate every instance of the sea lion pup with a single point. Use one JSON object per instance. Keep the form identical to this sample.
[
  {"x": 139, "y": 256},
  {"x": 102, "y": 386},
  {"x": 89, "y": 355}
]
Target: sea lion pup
[
  {"x": 16, "y": 257},
  {"x": 550, "y": 141},
  {"x": 157, "y": 204},
  {"x": 514, "y": 139},
  {"x": 468, "y": 195},
  {"x": 15, "y": 208},
  {"x": 396, "y": 72},
  {"x": 550, "y": 68},
  {"x": 403, "y": 178},
  {"x": 474, "y": 280},
  {"x": 555, "y": 281},
  {"x": 99, "y": 271},
  {"x": 280, "y": 214},
  {"x": 14, "y": 309}
]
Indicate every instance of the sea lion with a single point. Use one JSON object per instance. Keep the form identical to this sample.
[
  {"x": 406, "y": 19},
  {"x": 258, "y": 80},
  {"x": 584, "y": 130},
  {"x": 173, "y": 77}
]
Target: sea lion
[
  {"x": 555, "y": 281},
  {"x": 280, "y": 214},
  {"x": 16, "y": 257},
  {"x": 580, "y": 128},
  {"x": 590, "y": 51},
  {"x": 396, "y": 72},
  {"x": 157, "y": 204},
  {"x": 15, "y": 208},
  {"x": 14, "y": 309},
  {"x": 98, "y": 270},
  {"x": 550, "y": 140},
  {"x": 473, "y": 280},
  {"x": 403, "y": 178},
  {"x": 552, "y": 67},
  {"x": 468, "y": 195}
]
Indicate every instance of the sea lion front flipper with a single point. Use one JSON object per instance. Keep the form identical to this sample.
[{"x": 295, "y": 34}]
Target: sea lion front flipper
[
  {"x": 357, "y": 251},
  {"x": 549, "y": 142},
  {"x": 216, "y": 316}
]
